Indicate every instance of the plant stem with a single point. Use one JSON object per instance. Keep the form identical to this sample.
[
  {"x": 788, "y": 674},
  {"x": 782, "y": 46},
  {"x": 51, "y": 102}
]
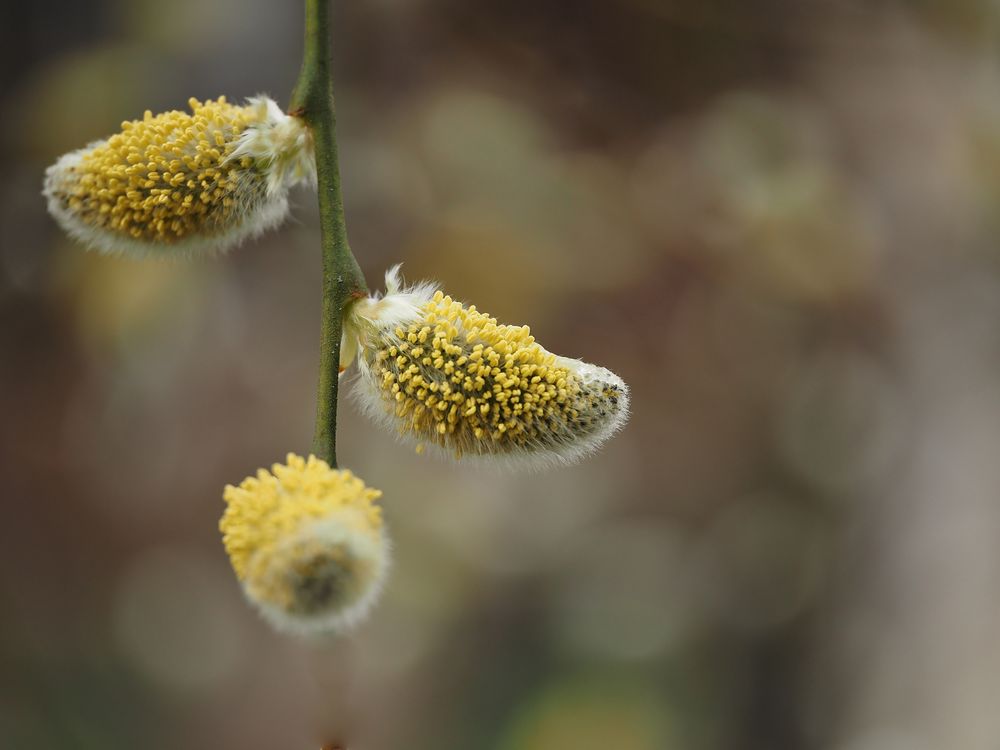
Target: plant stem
[{"x": 312, "y": 100}]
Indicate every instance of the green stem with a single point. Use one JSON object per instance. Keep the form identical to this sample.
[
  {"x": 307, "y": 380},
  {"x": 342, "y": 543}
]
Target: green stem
[{"x": 312, "y": 100}]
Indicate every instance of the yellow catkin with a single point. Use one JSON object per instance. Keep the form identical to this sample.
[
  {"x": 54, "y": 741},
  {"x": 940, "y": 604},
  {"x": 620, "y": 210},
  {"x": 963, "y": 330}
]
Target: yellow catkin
[
  {"x": 207, "y": 178},
  {"x": 166, "y": 177},
  {"x": 307, "y": 543},
  {"x": 452, "y": 376}
]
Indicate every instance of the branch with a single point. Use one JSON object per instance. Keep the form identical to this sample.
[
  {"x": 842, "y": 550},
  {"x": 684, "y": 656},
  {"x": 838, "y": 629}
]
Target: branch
[{"x": 312, "y": 100}]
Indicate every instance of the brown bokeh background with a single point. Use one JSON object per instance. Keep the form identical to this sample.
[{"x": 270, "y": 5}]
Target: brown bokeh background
[{"x": 777, "y": 220}]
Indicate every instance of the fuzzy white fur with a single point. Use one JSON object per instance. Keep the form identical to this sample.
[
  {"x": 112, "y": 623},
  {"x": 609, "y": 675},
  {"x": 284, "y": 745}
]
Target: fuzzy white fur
[
  {"x": 398, "y": 306},
  {"x": 374, "y": 551},
  {"x": 279, "y": 141}
]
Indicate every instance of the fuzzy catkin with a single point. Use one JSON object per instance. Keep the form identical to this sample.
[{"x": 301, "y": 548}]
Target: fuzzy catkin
[
  {"x": 307, "y": 543},
  {"x": 445, "y": 374},
  {"x": 179, "y": 182}
]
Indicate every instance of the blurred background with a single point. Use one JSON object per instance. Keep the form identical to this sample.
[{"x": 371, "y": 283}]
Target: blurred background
[{"x": 778, "y": 221}]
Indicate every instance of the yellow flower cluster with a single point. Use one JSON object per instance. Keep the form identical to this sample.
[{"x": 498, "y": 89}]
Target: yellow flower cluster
[
  {"x": 178, "y": 181},
  {"x": 305, "y": 540},
  {"x": 451, "y": 376},
  {"x": 308, "y": 544}
]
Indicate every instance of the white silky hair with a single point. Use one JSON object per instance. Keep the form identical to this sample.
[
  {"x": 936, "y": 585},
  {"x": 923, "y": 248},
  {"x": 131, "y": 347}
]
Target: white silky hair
[
  {"x": 280, "y": 142},
  {"x": 397, "y": 306},
  {"x": 362, "y": 549}
]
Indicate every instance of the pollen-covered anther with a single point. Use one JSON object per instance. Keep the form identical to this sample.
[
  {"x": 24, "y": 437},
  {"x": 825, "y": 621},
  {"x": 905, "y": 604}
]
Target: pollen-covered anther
[
  {"x": 445, "y": 374},
  {"x": 180, "y": 183},
  {"x": 308, "y": 544}
]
